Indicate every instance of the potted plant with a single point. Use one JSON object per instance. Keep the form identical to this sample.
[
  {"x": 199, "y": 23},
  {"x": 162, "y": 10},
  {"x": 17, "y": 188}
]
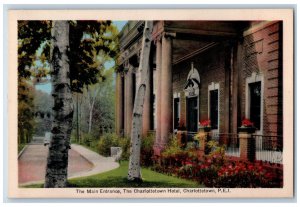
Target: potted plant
[
  {"x": 205, "y": 125},
  {"x": 247, "y": 126}
]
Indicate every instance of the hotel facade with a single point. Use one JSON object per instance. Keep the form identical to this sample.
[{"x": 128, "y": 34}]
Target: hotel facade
[{"x": 222, "y": 71}]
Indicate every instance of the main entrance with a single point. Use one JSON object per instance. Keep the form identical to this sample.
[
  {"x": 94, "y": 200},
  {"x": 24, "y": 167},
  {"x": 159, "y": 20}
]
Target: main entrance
[
  {"x": 192, "y": 116},
  {"x": 191, "y": 90}
]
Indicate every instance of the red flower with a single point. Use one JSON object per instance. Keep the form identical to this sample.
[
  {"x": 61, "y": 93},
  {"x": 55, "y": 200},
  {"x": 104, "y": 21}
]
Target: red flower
[
  {"x": 247, "y": 123},
  {"x": 205, "y": 123},
  {"x": 250, "y": 167},
  {"x": 260, "y": 168},
  {"x": 188, "y": 163}
]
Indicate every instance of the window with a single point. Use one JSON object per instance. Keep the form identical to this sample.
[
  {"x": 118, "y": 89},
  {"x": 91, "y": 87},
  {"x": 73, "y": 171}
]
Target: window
[
  {"x": 214, "y": 111},
  {"x": 176, "y": 113},
  {"x": 254, "y": 100},
  {"x": 213, "y": 105},
  {"x": 255, "y": 103}
]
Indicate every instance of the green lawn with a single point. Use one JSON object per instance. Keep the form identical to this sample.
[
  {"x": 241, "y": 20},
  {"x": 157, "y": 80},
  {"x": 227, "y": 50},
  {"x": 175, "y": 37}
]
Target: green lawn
[
  {"x": 117, "y": 178},
  {"x": 20, "y": 147}
]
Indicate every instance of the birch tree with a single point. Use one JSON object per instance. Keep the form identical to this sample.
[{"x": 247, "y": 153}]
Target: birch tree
[
  {"x": 57, "y": 161},
  {"x": 99, "y": 102},
  {"x": 91, "y": 96},
  {"x": 134, "y": 170},
  {"x": 69, "y": 49}
]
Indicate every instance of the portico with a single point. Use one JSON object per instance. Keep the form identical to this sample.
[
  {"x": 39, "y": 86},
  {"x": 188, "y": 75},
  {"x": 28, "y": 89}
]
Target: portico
[{"x": 197, "y": 72}]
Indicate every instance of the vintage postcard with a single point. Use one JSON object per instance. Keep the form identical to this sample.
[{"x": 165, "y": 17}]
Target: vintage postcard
[{"x": 151, "y": 103}]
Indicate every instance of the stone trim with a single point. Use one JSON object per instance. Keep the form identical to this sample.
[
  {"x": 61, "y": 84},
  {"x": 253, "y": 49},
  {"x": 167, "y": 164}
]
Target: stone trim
[
  {"x": 192, "y": 76},
  {"x": 258, "y": 27}
]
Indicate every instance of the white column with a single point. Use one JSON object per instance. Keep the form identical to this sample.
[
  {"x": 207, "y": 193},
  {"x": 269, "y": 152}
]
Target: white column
[{"x": 166, "y": 90}]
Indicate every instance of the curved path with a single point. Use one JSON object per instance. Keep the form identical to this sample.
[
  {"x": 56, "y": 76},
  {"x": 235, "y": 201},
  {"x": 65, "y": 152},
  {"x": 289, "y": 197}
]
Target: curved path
[
  {"x": 100, "y": 163},
  {"x": 82, "y": 162}
]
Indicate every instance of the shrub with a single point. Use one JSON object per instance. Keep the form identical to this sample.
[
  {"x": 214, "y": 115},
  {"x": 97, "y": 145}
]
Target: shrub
[
  {"x": 124, "y": 142},
  {"x": 147, "y": 150},
  {"x": 73, "y": 137},
  {"x": 172, "y": 148},
  {"x": 217, "y": 153},
  {"x": 107, "y": 141},
  {"x": 175, "y": 157},
  {"x": 86, "y": 139}
]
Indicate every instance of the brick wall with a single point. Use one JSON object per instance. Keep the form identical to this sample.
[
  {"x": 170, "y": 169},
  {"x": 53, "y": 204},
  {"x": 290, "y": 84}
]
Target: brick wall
[
  {"x": 262, "y": 53},
  {"x": 211, "y": 68}
]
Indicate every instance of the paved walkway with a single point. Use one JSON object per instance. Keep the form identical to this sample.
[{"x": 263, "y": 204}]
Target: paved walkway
[
  {"x": 82, "y": 162},
  {"x": 100, "y": 163}
]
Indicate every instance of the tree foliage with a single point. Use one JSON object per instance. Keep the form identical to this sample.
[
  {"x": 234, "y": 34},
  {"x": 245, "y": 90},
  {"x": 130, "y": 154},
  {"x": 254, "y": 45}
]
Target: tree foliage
[
  {"x": 91, "y": 44},
  {"x": 102, "y": 116},
  {"x": 26, "y": 121},
  {"x": 30, "y": 36},
  {"x": 42, "y": 111}
]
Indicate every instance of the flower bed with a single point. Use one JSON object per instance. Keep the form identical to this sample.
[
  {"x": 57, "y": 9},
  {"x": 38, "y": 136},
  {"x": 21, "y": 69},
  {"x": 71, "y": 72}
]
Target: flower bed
[
  {"x": 245, "y": 174},
  {"x": 216, "y": 170}
]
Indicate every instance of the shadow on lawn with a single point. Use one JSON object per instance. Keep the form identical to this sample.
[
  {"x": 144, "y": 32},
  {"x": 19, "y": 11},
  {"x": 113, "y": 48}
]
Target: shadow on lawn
[{"x": 119, "y": 181}]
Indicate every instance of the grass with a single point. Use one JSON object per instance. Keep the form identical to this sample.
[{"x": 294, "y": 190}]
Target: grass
[
  {"x": 92, "y": 146},
  {"x": 118, "y": 178},
  {"x": 20, "y": 147}
]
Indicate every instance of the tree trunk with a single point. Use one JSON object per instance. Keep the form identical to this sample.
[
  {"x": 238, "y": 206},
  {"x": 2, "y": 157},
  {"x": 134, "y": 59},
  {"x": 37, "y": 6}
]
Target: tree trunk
[
  {"x": 80, "y": 124},
  {"x": 91, "y": 100},
  {"x": 134, "y": 170},
  {"x": 57, "y": 162},
  {"x": 90, "y": 119},
  {"x": 77, "y": 118}
]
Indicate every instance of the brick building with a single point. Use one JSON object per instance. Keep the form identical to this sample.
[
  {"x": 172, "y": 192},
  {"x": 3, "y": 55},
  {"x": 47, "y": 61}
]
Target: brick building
[{"x": 219, "y": 70}]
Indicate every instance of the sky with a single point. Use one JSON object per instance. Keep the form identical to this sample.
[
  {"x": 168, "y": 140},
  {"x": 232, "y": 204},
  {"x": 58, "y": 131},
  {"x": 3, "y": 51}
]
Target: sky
[{"x": 47, "y": 86}]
